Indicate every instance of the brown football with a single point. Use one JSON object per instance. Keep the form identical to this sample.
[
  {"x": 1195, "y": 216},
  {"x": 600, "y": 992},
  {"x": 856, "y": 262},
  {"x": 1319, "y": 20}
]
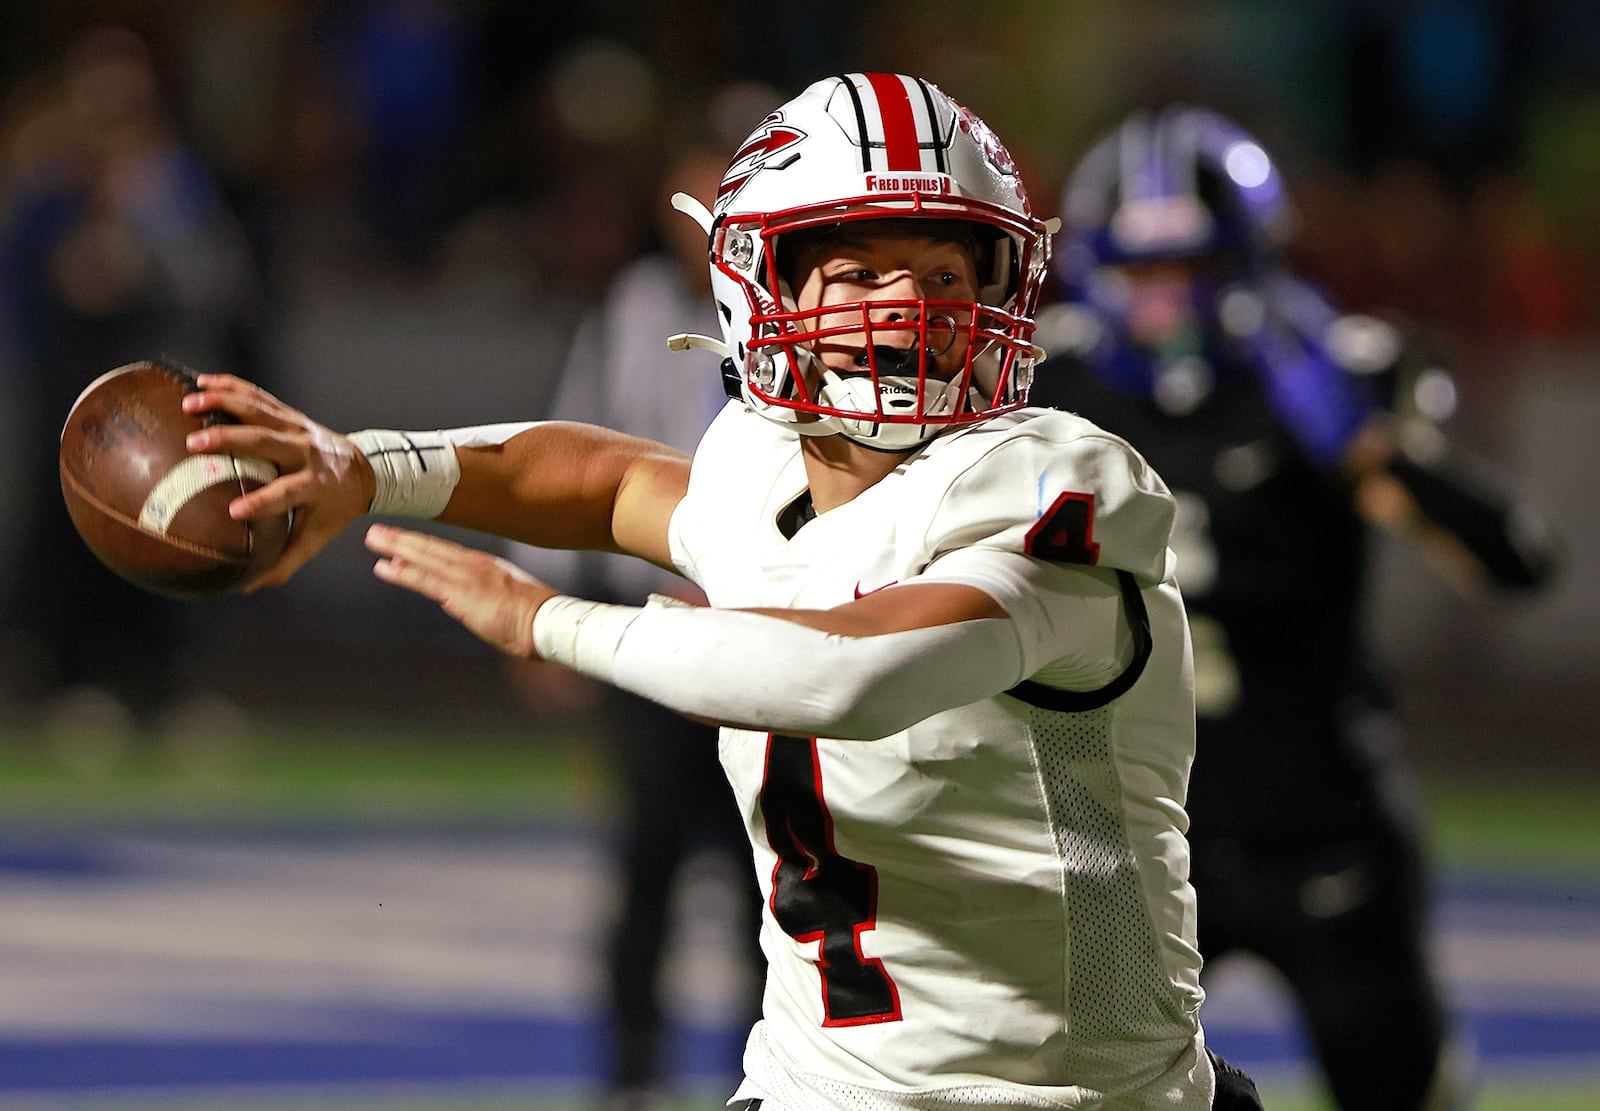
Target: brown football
[{"x": 151, "y": 511}]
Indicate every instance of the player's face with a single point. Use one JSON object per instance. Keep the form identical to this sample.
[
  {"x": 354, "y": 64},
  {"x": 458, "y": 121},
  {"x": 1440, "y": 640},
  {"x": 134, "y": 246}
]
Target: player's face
[
  {"x": 891, "y": 293},
  {"x": 1163, "y": 302},
  {"x": 1160, "y": 302}
]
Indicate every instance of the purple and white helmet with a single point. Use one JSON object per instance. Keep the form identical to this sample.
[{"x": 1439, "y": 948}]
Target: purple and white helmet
[{"x": 1177, "y": 182}]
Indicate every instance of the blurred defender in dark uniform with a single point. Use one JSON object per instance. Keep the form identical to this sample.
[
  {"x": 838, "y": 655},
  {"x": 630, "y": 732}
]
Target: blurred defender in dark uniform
[{"x": 1288, "y": 431}]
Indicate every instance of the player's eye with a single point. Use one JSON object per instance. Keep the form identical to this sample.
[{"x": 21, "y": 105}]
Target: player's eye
[{"x": 851, "y": 272}]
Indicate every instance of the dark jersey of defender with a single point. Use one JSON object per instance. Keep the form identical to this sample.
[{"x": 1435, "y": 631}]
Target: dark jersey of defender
[{"x": 1274, "y": 578}]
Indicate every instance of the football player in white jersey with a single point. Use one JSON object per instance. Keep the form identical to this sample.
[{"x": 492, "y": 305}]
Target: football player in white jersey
[{"x": 944, "y": 641}]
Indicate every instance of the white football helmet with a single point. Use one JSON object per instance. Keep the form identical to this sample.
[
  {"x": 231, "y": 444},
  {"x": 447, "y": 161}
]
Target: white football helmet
[{"x": 875, "y": 146}]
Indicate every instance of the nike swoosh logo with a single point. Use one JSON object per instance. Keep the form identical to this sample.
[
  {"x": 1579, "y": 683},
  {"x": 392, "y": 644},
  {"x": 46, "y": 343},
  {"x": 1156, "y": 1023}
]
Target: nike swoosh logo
[{"x": 860, "y": 594}]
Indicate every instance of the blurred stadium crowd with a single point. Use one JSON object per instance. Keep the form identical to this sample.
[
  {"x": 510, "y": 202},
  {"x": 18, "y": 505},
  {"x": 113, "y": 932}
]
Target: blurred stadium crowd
[{"x": 393, "y": 211}]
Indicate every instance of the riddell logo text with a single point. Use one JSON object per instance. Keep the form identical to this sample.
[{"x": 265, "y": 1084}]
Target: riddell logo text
[{"x": 907, "y": 183}]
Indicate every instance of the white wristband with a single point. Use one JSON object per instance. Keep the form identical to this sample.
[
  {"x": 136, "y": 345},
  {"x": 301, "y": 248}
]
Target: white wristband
[
  {"x": 581, "y": 635},
  {"x": 416, "y": 472}
]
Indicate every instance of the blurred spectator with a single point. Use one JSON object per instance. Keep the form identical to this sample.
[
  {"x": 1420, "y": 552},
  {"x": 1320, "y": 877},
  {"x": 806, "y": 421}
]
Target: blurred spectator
[
  {"x": 115, "y": 246},
  {"x": 243, "y": 71},
  {"x": 674, "y": 797},
  {"x": 599, "y": 107},
  {"x": 1289, "y": 432},
  {"x": 406, "y": 71}
]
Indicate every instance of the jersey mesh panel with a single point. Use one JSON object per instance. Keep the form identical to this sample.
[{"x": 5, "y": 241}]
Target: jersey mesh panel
[{"x": 1119, "y": 997}]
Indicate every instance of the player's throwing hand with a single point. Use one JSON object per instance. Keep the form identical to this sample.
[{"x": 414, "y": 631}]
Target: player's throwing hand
[{"x": 322, "y": 476}]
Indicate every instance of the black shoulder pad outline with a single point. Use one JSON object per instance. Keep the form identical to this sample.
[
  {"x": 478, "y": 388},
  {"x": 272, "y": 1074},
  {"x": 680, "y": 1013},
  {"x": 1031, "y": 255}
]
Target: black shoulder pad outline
[{"x": 1077, "y": 702}]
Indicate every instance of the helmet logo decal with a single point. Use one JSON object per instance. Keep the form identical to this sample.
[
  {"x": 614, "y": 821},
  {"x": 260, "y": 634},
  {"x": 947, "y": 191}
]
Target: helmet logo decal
[
  {"x": 772, "y": 138},
  {"x": 994, "y": 151},
  {"x": 988, "y": 142}
]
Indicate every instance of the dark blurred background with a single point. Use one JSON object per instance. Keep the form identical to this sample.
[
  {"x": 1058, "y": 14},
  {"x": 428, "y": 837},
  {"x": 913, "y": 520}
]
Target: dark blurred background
[{"x": 392, "y": 212}]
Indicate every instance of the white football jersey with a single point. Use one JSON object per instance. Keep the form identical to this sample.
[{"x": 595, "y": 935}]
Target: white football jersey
[{"x": 991, "y": 908}]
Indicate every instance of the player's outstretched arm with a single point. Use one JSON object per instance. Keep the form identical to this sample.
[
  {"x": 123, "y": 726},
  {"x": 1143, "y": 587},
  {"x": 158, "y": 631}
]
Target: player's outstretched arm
[
  {"x": 552, "y": 484},
  {"x": 1465, "y": 522},
  {"x": 862, "y": 670}
]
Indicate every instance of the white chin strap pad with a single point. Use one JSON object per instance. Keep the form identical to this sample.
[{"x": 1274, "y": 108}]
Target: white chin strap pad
[{"x": 899, "y": 395}]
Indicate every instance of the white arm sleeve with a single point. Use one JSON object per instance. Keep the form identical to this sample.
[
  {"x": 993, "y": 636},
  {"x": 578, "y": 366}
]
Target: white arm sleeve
[
  {"x": 1068, "y": 618},
  {"x": 762, "y": 672}
]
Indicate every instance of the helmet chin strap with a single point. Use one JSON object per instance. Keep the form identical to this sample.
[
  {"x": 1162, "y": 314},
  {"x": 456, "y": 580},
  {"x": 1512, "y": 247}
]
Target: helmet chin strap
[
  {"x": 888, "y": 393},
  {"x": 892, "y": 391}
]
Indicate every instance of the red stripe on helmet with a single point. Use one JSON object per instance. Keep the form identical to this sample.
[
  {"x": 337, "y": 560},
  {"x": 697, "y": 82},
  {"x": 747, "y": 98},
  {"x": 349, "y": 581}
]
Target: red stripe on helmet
[{"x": 901, "y": 148}]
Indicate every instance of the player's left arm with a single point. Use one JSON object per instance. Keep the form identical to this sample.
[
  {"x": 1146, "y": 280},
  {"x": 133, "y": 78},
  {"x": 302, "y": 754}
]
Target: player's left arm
[
  {"x": 1464, "y": 520},
  {"x": 864, "y": 669},
  {"x": 1348, "y": 388}
]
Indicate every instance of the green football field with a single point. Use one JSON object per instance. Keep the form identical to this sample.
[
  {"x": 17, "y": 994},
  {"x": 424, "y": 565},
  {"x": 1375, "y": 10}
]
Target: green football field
[
  {"x": 375, "y": 777},
  {"x": 387, "y": 773}
]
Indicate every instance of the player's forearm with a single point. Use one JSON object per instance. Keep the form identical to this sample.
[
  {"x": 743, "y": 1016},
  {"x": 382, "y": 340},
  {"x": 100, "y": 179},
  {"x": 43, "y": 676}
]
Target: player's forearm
[
  {"x": 1470, "y": 525},
  {"x": 551, "y": 484},
  {"x": 1466, "y": 521}
]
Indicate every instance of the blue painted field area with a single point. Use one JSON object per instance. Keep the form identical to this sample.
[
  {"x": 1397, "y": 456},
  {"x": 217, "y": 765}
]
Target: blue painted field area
[
  {"x": 202, "y": 969},
  {"x": 1521, "y": 953}
]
